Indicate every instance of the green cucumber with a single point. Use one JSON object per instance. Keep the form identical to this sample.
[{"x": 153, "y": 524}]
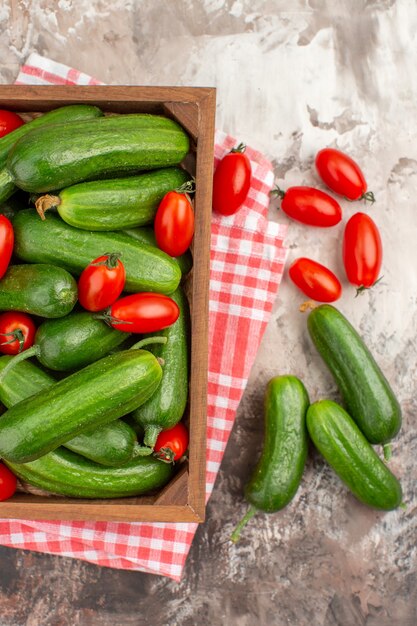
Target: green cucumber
[
  {"x": 145, "y": 234},
  {"x": 112, "y": 444},
  {"x": 74, "y": 341},
  {"x": 114, "y": 204},
  {"x": 56, "y": 157},
  {"x": 366, "y": 392},
  {"x": 70, "y": 113},
  {"x": 167, "y": 405},
  {"x": 39, "y": 289},
  {"x": 54, "y": 241},
  {"x": 278, "y": 474},
  {"x": 87, "y": 399},
  {"x": 341, "y": 443},
  {"x": 67, "y": 474}
]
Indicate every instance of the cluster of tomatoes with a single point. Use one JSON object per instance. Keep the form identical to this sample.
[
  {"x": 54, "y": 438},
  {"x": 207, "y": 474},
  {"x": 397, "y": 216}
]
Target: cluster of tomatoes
[{"x": 362, "y": 247}]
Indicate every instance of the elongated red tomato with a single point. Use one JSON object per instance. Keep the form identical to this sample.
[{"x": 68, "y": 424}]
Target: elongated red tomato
[
  {"x": 231, "y": 181},
  {"x": 172, "y": 443},
  {"x": 315, "y": 280},
  {"x": 9, "y": 121},
  {"x": 342, "y": 175},
  {"x": 8, "y": 483},
  {"x": 174, "y": 223},
  {"x": 17, "y": 332},
  {"x": 102, "y": 282},
  {"x": 362, "y": 251},
  {"x": 6, "y": 244},
  {"x": 143, "y": 312},
  {"x": 310, "y": 206}
]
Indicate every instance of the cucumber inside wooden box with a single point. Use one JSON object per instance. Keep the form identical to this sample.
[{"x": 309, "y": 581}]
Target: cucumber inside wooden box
[{"x": 183, "y": 497}]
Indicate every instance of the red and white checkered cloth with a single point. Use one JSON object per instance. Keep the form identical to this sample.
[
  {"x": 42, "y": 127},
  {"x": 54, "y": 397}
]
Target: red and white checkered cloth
[{"x": 247, "y": 261}]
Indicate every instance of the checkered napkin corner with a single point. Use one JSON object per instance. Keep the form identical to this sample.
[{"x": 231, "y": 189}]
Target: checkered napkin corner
[{"x": 247, "y": 261}]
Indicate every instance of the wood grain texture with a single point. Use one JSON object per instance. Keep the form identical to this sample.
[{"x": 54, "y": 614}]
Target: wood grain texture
[{"x": 183, "y": 500}]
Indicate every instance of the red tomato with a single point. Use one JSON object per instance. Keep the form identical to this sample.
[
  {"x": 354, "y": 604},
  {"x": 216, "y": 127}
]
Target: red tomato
[
  {"x": 310, "y": 206},
  {"x": 6, "y": 244},
  {"x": 9, "y": 121},
  {"x": 174, "y": 223},
  {"x": 8, "y": 483},
  {"x": 315, "y": 280},
  {"x": 362, "y": 251},
  {"x": 172, "y": 443},
  {"x": 342, "y": 175},
  {"x": 231, "y": 181},
  {"x": 101, "y": 283},
  {"x": 143, "y": 312},
  {"x": 17, "y": 332}
]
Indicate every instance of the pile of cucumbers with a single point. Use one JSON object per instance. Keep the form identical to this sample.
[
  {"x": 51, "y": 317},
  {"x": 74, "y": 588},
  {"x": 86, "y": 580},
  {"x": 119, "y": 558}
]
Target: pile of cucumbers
[
  {"x": 75, "y": 411},
  {"x": 343, "y": 436}
]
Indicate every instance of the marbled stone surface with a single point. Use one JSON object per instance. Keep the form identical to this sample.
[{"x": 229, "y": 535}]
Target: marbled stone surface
[{"x": 292, "y": 77}]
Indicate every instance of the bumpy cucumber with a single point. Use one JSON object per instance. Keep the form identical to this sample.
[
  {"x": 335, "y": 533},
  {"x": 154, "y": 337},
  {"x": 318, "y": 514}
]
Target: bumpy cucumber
[
  {"x": 146, "y": 234},
  {"x": 112, "y": 444},
  {"x": 87, "y": 399},
  {"x": 114, "y": 204},
  {"x": 55, "y": 157},
  {"x": 64, "y": 473},
  {"x": 341, "y": 443},
  {"x": 70, "y": 113},
  {"x": 54, "y": 241},
  {"x": 278, "y": 473},
  {"x": 40, "y": 289},
  {"x": 167, "y": 405},
  {"x": 366, "y": 392}
]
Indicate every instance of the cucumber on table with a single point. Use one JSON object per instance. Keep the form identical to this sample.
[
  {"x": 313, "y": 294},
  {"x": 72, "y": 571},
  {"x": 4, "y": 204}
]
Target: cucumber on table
[
  {"x": 112, "y": 444},
  {"x": 55, "y": 157},
  {"x": 114, "y": 204},
  {"x": 68, "y": 114},
  {"x": 366, "y": 392},
  {"x": 277, "y": 476},
  {"x": 54, "y": 241},
  {"x": 39, "y": 289},
  {"x": 342, "y": 444}
]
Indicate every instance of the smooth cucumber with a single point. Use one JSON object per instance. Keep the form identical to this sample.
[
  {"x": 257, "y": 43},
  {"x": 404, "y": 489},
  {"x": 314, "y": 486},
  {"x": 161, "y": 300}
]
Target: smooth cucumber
[
  {"x": 87, "y": 399},
  {"x": 112, "y": 444},
  {"x": 64, "y": 473},
  {"x": 55, "y": 157},
  {"x": 342, "y": 444},
  {"x": 39, "y": 289},
  {"x": 70, "y": 113},
  {"x": 114, "y": 204},
  {"x": 278, "y": 474},
  {"x": 146, "y": 234},
  {"x": 366, "y": 392},
  {"x": 54, "y": 241},
  {"x": 167, "y": 405},
  {"x": 74, "y": 341}
]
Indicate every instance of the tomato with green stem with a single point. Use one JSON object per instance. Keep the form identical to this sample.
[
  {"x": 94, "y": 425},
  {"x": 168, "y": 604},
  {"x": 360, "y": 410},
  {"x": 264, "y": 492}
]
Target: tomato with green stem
[
  {"x": 231, "y": 181},
  {"x": 362, "y": 251},
  {"x": 17, "y": 332},
  {"x": 101, "y": 282},
  {"x": 9, "y": 121},
  {"x": 342, "y": 175},
  {"x": 310, "y": 206},
  {"x": 174, "y": 221},
  {"x": 6, "y": 244},
  {"x": 144, "y": 312},
  {"x": 172, "y": 444}
]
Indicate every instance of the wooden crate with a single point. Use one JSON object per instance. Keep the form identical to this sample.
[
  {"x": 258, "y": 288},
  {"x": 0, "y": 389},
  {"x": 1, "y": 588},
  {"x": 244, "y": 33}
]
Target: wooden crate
[{"x": 183, "y": 499}]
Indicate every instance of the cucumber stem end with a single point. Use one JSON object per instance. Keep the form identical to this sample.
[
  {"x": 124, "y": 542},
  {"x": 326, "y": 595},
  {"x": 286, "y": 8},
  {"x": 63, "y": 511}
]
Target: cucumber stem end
[{"x": 235, "y": 536}]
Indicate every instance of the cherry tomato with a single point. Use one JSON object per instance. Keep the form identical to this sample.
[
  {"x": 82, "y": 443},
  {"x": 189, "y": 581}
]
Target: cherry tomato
[
  {"x": 8, "y": 483},
  {"x": 315, "y": 280},
  {"x": 9, "y": 121},
  {"x": 342, "y": 175},
  {"x": 174, "y": 223},
  {"x": 17, "y": 332},
  {"x": 362, "y": 251},
  {"x": 310, "y": 206},
  {"x": 6, "y": 244},
  {"x": 101, "y": 283},
  {"x": 172, "y": 443},
  {"x": 231, "y": 182},
  {"x": 143, "y": 312}
]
